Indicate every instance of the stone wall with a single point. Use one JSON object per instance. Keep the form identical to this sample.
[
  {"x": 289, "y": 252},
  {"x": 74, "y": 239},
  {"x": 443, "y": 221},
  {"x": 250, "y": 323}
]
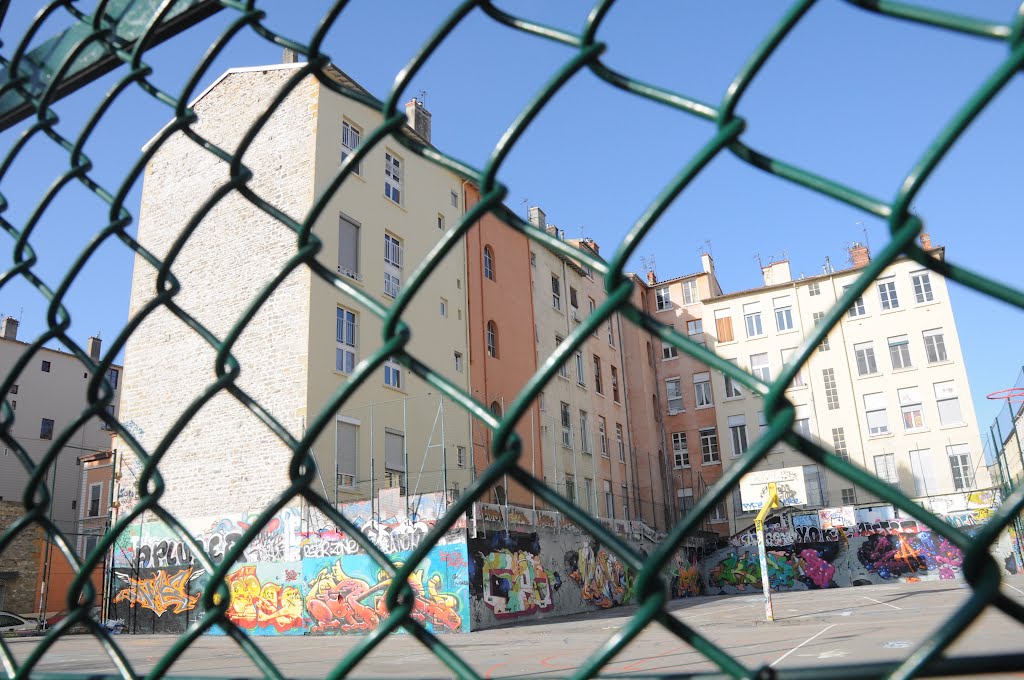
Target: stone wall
[{"x": 19, "y": 563}]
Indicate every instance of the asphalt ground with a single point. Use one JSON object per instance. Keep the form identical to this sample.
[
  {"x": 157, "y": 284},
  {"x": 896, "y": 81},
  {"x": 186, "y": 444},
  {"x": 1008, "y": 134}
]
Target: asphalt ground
[{"x": 813, "y": 628}]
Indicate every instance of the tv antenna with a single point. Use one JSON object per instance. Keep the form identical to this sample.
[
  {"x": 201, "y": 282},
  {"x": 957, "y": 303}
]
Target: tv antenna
[
  {"x": 647, "y": 262},
  {"x": 864, "y": 230},
  {"x": 422, "y": 97}
]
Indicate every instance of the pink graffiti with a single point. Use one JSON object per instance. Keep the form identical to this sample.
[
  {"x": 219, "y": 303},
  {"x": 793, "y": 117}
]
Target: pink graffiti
[
  {"x": 453, "y": 558},
  {"x": 817, "y": 569}
]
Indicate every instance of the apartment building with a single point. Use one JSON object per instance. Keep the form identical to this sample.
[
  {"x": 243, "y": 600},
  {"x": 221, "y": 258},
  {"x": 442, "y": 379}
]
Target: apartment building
[
  {"x": 310, "y": 335},
  {"x": 47, "y": 397},
  {"x": 887, "y": 389}
]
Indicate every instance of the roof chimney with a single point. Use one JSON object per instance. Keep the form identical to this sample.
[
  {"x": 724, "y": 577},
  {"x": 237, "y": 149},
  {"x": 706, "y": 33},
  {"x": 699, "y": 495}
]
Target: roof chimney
[
  {"x": 651, "y": 278},
  {"x": 859, "y": 254},
  {"x": 926, "y": 241},
  {"x": 537, "y": 217},
  {"x": 93, "y": 346},
  {"x": 776, "y": 272},
  {"x": 289, "y": 56},
  {"x": 418, "y": 118},
  {"x": 9, "y": 328}
]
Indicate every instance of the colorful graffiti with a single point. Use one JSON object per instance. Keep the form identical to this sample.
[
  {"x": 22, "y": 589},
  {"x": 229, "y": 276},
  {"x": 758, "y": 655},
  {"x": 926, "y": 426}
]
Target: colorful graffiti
[
  {"x": 896, "y": 555},
  {"x": 161, "y": 592},
  {"x": 808, "y": 564},
  {"x": 345, "y": 603},
  {"x": 516, "y": 584},
  {"x": 603, "y": 580},
  {"x": 686, "y": 580},
  {"x": 257, "y": 605}
]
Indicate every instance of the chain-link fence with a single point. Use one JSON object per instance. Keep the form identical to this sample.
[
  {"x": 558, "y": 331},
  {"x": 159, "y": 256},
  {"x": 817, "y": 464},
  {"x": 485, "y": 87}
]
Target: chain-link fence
[{"x": 116, "y": 39}]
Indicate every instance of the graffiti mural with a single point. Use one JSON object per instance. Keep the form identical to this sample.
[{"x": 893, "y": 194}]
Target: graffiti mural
[
  {"x": 164, "y": 591},
  {"x": 263, "y": 603},
  {"x": 603, "y": 580},
  {"x": 686, "y": 580},
  {"x": 516, "y": 584},
  {"x": 347, "y": 595},
  {"x": 891, "y": 556}
]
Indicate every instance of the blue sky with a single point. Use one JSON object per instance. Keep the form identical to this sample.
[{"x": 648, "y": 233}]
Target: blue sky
[{"x": 850, "y": 95}]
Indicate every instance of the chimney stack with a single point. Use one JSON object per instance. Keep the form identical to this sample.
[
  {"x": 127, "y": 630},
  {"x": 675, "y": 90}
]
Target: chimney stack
[
  {"x": 289, "y": 56},
  {"x": 776, "y": 272},
  {"x": 93, "y": 346},
  {"x": 926, "y": 241},
  {"x": 859, "y": 254},
  {"x": 418, "y": 118},
  {"x": 9, "y": 328},
  {"x": 537, "y": 217},
  {"x": 651, "y": 278}
]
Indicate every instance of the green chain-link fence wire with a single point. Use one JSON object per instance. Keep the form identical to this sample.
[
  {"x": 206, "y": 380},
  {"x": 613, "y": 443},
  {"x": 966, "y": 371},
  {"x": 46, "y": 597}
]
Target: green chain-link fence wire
[{"x": 117, "y": 36}]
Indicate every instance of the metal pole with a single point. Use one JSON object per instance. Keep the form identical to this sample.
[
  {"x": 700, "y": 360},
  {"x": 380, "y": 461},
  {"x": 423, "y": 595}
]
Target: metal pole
[
  {"x": 405, "y": 454},
  {"x": 533, "y": 455},
  {"x": 444, "y": 457},
  {"x": 373, "y": 483},
  {"x": 773, "y": 502}
]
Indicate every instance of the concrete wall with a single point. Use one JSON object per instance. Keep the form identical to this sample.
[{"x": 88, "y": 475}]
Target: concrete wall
[
  {"x": 300, "y": 575},
  {"x": 19, "y": 563}
]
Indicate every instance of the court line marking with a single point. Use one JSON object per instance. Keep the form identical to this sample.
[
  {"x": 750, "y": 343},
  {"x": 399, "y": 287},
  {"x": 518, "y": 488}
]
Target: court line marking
[
  {"x": 880, "y": 602},
  {"x": 820, "y": 632},
  {"x": 1017, "y": 589}
]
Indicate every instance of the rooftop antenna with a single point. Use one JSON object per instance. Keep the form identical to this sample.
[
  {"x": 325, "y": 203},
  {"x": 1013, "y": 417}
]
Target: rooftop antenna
[
  {"x": 757, "y": 256},
  {"x": 581, "y": 231},
  {"x": 864, "y": 230},
  {"x": 422, "y": 97},
  {"x": 707, "y": 242},
  {"x": 526, "y": 202}
]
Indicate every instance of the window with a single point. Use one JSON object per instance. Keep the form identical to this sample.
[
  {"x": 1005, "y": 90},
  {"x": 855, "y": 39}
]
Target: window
[
  {"x": 948, "y": 400},
  {"x": 823, "y": 347},
  {"x": 857, "y": 308},
  {"x": 752, "y": 319},
  {"x": 620, "y": 441},
  {"x": 662, "y": 298},
  {"x": 393, "y": 177},
  {"x": 723, "y": 325},
  {"x": 392, "y": 265},
  {"x": 865, "y": 354},
  {"x": 489, "y": 263},
  {"x": 839, "y": 443},
  {"x": 573, "y": 299},
  {"x": 45, "y": 367},
  {"x": 910, "y": 406},
  {"x": 588, "y": 494},
  {"x": 923, "y": 469},
  {"x": 668, "y": 351},
  {"x": 922, "y": 286},
  {"x": 440, "y": 221},
  {"x": 346, "y": 449},
  {"x": 492, "y": 340},
  {"x": 685, "y": 500},
  {"x": 566, "y": 425},
  {"x": 454, "y": 199},
  {"x": 709, "y": 444},
  {"x": 345, "y": 332},
  {"x": 738, "y": 434},
  {"x": 495, "y": 409},
  {"x": 458, "y": 362},
  {"x": 609, "y": 500},
  {"x": 694, "y": 327},
  {"x": 783, "y": 313},
  {"x": 674, "y": 394},
  {"x": 899, "y": 352},
  {"x": 718, "y": 515},
  {"x": 960, "y": 465},
  {"x": 812, "y": 480},
  {"x": 563, "y": 370},
  {"x": 885, "y": 468},
  {"x": 348, "y": 248},
  {"x": 800, "y": 378},
  {"x": 585, "y": 433},
  {"x": 680, "y": 452},
  {"x": 393, "y": 374},
  {"x": 460, "y": 456},
  {"x": 95, "y": 491},
  {"x": 813, "y": 289},
  {"x": 444, "y": 308},
  {"x": 602, "y": 435},
  {"x": 702, "y": 389},
  {"x": 802, "y": 421},
  {"x": 14, "y": 388},
  {"x": 46, "y": 429},
  {"x": 877, "y": 418},
  {"x": 533, "y": 259},
  {"x": 593, "y": 307},
  {"x": 849, "y": 495},
  {"x": 831, "y": 391},
  {"x": 615, "y": 384},
  {"x": 691, "y": 295},
  {"x": 598, "y": 383},
  {"x": 934, "y": 346},
  {"x": 556, "y": 293},
  {"x": 90, "y": 544},
  {"x": 581, "y": 377},
  {"x": 570, "y": 487},
  {"x": 112, "y": 376},
  {"x": 759, "y": 366},
  {"x": 732, "y": 388},
  {"x": 611, "y": 333},
  {"x": 887, "y": 295},
  {"x": 350, "y": 136}
]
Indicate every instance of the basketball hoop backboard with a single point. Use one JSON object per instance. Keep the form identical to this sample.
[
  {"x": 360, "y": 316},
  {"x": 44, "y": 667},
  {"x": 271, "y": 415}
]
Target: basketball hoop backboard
[{"x": 789, "y": 483}]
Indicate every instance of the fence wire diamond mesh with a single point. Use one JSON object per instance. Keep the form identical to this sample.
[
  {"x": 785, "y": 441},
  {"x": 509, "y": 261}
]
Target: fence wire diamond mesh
[{"x": 116, "y": 39}]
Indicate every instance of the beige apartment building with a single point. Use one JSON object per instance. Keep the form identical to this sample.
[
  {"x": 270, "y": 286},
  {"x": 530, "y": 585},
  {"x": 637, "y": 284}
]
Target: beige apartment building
[
  {"x": 886, "y": 390},
  {"x": 310, "y": 335}
]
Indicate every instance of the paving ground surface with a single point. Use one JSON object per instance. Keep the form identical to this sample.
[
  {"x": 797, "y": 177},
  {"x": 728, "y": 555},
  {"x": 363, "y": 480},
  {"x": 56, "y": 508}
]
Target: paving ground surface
[{"x": 814, "y": 628}]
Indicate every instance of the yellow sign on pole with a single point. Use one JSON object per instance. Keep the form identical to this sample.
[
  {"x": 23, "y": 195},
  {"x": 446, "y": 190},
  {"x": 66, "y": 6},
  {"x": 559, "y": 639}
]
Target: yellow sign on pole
[{"x": 771, "y": 503}]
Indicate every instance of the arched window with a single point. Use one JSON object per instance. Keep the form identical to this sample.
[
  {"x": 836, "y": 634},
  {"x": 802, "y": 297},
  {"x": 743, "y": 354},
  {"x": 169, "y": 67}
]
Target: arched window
[
  {"x": 492, "y": 339},
  {"x": 489, "y": 262},
  {"x": 643, "y": 300},
  {"x": 499, "y": 494},
  {"x": 650, "y": 353},
  {"x": 495, "y": 409}
]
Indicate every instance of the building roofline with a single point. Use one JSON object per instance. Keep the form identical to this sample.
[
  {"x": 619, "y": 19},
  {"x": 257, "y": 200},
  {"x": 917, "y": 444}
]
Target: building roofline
[{"x": 50, "y": 349}]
